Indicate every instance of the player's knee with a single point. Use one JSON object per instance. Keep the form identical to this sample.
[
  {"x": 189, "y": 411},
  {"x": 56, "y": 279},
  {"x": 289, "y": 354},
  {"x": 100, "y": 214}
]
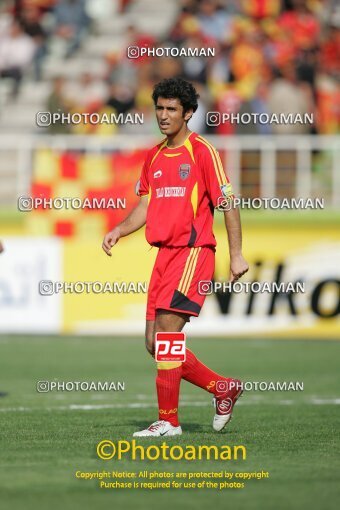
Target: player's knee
[
  {"x": 163, "y": 323},
  {"x": 170, "y": 321}
]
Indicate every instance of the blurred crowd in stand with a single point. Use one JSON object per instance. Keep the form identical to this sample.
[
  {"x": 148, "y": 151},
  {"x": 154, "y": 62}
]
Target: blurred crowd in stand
[{"x": 271, "y": 56}]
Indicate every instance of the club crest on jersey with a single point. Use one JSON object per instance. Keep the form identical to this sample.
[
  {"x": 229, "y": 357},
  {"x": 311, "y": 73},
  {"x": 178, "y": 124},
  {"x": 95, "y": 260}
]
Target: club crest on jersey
[
  {"x": 227, "y": 190},
  {"x": 184, "y": 171}
]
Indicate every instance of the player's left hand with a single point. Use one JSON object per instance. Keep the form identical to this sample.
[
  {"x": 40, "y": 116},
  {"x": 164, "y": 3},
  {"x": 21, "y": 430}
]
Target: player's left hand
[{"x": 238, "y": 267}]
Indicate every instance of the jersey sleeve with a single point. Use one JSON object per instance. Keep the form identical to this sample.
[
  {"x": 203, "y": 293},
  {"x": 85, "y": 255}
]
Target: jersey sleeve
[
  {"x": 142, "y": 187},
  {"x": 216, "y": 180}
]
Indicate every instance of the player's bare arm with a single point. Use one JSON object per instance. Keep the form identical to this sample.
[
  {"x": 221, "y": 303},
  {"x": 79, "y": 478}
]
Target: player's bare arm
[
  {"x": 238, "y": 265},
  {"x": 133, "y": 222}
]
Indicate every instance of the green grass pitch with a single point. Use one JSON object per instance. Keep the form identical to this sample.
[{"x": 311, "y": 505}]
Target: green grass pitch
[{"x": 46, "y": 437}]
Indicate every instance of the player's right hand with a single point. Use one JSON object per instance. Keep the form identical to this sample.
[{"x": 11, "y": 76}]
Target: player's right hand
[{"x": 110, "y": 240}]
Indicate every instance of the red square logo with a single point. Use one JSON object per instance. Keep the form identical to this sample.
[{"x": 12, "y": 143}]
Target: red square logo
[{"x": 170, "y": 346}]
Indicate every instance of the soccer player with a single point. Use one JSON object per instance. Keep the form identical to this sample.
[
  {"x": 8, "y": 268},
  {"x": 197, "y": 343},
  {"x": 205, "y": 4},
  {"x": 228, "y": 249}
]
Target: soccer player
[{"x": 181, "y": 183}]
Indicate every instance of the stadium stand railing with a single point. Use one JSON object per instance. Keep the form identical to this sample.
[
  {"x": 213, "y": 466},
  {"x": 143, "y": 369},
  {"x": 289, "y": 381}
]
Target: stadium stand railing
[{"x": 258, "y": 166}]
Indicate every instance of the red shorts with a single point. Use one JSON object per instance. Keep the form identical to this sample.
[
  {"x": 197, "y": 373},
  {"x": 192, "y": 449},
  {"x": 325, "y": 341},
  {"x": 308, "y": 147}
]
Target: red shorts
[{"x": 175, "y": 278}]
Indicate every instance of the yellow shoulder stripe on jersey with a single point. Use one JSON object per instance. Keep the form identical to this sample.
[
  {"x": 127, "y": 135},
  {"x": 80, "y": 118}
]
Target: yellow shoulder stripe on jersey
[
  {"x": 163, "y": 144},
  {"x": 194, "y": 199},
  {"x": 189, "y": 271},
  {"x": 187, "y": 144},
  {"x": 221, "y": 177}
]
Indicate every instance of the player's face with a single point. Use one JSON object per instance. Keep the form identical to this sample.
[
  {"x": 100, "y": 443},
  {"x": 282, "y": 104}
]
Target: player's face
[{"x": 169, "y": 113}]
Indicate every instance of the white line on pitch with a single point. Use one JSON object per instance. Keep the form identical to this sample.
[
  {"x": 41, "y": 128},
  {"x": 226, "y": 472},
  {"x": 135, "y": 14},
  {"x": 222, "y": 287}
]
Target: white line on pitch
[{"x": 142, "y": 405}]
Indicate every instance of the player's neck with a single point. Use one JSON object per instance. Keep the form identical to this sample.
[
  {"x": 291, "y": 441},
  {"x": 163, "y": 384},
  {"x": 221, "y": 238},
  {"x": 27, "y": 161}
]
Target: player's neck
[{"x": 178, "y": 139}]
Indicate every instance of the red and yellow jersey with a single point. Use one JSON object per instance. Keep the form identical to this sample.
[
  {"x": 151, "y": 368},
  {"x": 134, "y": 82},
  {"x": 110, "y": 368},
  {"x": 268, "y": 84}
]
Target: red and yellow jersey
[{"x": 184, "y": 185}]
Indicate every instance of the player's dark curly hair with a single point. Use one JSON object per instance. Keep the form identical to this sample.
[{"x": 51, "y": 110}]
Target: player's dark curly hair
[{"x": 177, "y": 88}]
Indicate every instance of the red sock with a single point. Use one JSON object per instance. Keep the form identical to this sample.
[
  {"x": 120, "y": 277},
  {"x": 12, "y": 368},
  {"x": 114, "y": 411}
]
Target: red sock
[
  {"x": 168, "y": 382},
  {"x": 195, "y": 372}
]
